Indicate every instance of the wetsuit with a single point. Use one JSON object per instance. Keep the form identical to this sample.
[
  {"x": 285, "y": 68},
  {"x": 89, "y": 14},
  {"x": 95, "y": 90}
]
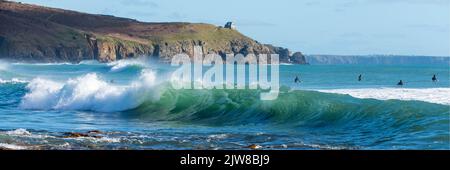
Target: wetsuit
[{"x": 297, "y": 80}]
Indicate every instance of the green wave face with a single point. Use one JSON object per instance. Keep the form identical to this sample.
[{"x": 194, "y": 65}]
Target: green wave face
[
  {"x": 306, "y": 114},
  {"x": 292, "y": 108}
]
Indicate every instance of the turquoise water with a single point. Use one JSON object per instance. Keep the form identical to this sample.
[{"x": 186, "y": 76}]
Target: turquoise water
[{"x": 134, "y": 107}]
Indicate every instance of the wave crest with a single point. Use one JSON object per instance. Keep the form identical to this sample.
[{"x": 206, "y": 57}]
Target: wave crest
[
  {"x": 89, "y": 92},
  {"x": 120, "y": 65}
]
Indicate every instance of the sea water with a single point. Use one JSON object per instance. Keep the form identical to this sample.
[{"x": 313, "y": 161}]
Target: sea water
[{"x": 130, "y": 104}]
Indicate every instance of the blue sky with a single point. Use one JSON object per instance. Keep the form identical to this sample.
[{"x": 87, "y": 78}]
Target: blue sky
[{"x": 353, "y": 27}]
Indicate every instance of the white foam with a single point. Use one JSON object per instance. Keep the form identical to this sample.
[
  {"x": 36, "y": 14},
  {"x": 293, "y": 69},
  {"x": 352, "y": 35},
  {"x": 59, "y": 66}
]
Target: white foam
[
  {"x": 11, "y": 146},
  {"x": 99, "y": 139},
  {"x": 25, "y": 133},
  {"x": 13, "y": 81},
  {"x": 18, "y": 132},
  {"x": 89, "y": 62},
  {"x": 89, "y": 92},
  {"x": 218, "y": 136},
  {"x": 432, "y": 95}
]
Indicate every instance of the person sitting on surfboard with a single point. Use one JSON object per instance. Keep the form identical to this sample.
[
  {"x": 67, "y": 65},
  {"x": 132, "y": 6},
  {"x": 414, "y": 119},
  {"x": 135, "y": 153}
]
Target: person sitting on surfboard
[
  {"x": 360, "y": 77},
  {"x": 434, "y": 79},
  {"x": 400, "y": 83}
]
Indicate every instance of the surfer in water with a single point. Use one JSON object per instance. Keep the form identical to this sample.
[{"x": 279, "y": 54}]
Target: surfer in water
[
  {"x": 400, "y": 83},
  {"x": 434, "y": 79},
  {"x": 297, "y": 80},
  {"x": 360, "y": 77}
]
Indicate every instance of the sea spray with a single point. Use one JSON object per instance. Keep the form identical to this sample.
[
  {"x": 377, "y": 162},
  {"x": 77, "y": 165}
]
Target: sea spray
[
  {"x": 121, "y": 65},
  {"x": 191, "y": 71},
  {"x": 90, "y": 92}
]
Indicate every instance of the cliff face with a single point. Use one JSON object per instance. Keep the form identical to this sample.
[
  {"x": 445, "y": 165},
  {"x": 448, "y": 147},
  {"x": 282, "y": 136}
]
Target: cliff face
[{"x": 35, "y": 33}]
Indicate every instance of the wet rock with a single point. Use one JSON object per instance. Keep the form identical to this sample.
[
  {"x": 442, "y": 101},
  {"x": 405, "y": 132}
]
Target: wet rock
[
  {"x": 254, "y": 146},
  {"x": 298, "y": 58},
  {"x": 74, "y": 135}
]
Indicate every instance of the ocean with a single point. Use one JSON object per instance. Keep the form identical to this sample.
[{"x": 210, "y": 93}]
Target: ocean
[{"x": 129, "y": 104}]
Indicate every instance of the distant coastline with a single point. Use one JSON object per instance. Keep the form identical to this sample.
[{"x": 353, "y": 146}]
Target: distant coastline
[{"x": 377, "y": 59}]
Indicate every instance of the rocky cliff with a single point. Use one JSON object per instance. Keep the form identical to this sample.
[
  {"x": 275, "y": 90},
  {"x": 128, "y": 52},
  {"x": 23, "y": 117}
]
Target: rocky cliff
[{"x": 35, "y": 33}]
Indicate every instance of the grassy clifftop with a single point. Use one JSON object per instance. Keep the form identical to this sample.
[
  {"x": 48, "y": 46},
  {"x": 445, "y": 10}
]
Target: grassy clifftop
[{"x": 36, "y": 33}]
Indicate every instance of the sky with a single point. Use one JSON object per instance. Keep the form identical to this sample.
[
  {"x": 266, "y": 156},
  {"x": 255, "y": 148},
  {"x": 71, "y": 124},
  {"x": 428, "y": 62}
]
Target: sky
[{"x": 340, "y": 27}]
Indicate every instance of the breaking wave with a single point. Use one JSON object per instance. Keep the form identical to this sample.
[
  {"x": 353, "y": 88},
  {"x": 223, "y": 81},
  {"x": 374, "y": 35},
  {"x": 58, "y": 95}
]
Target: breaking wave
[
  {"x": 89, "y": 92},
  {"x": 152, "y": 100},
  {"x": 121, "y": 65}
]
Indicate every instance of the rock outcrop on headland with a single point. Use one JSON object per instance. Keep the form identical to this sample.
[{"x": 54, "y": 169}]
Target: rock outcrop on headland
[{"x": 35, "y": 33}]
